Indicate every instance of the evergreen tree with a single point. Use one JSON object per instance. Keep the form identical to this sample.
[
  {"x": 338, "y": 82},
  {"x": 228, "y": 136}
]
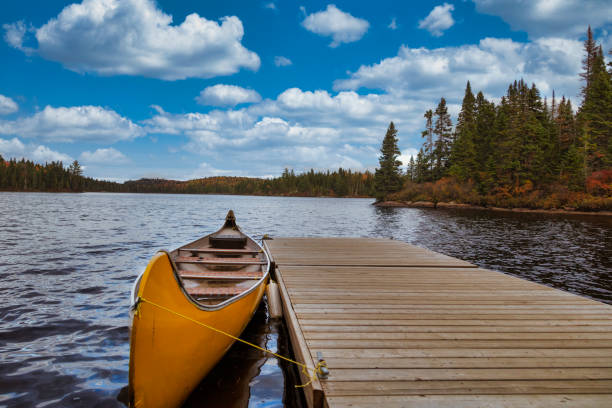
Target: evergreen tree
[
  {"x": 485, "y": 122},
  {"x": 464, "y": 150},
  {"x": 590, "y": 48},
  {"x": 387, "y": 178},
  {"x": 596, "y": 117},
  {"x": 428, "y": 145},
  {"x": 444, "y": 140},
  {"x": 75, "y": 169},
  {"x": 420, "y": 167},
  {"x": 410, "y": 170}
]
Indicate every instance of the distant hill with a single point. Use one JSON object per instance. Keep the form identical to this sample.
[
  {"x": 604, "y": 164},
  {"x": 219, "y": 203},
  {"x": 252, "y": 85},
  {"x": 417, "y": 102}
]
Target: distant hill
[{"x": 24, "y": 175}]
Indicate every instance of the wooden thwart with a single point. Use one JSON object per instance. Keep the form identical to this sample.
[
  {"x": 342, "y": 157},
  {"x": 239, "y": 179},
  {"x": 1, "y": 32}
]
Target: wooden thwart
[
  {"x": 221, "y": 251},
  {"x": 229, "y": 291},
  {"x": 219, "y": 261},
  {"x": 220, "y": 275},
  {"x": 402, "y": 326}
]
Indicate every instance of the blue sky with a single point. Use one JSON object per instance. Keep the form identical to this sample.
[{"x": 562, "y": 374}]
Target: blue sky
[{"x": 185, "y": 89}]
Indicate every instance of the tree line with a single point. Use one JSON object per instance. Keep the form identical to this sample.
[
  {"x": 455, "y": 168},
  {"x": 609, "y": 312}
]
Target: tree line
[
  {"x": 25, "y": 175},
  {"x": 339, "y": 183},
  {"x": 522, "y": 152}
]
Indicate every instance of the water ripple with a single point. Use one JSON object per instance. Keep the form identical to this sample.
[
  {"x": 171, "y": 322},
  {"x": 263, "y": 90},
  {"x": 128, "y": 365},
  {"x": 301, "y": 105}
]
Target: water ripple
[{"x": 68, "y": 262}]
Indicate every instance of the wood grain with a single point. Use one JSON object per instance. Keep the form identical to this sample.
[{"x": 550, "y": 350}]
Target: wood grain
[{"x": 402, "y": 326}]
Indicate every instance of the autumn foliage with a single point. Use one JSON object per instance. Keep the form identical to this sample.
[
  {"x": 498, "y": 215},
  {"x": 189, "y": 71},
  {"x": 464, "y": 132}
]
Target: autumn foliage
[{"x": 524, "y": 151}]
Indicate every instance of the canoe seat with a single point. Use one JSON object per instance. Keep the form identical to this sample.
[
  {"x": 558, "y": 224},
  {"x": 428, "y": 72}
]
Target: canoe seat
[
  {"x": 221, "y": 251},
  {"x": 227, "y": 241},
  {"x": 229, "y": 291},
  {"x": 219, "y": 261},
  {"x": 214, "y": 275}
]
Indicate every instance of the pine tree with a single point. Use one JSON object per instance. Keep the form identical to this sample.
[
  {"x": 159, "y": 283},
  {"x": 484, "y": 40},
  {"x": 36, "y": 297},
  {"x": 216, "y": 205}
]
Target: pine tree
[
  {"x": 596, "y": 116},
  {"x": 411, "y": 169},
  {"x": 590, "y": 48},
  {"x": 564, "y": 118},
  {"x": 464, "y": 151},
  {"x": 485, "y": 122},
  {"x": 508, "y": 141},
  {"x": 428, "y": 145},
  {"x": 387, "y": 178},
  {"x": 420, "y": 167},
  {"x": 444, "y": 140},
  {"x": 75, "y": 176}
]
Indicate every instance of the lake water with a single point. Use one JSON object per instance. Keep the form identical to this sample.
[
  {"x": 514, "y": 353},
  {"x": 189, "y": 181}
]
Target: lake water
[{"x": 67, "y": 263}]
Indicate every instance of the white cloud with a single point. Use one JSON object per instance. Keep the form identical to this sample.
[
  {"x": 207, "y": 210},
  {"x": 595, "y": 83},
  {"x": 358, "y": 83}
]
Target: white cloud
[
  {"x": 207, "y": 170},
  {"x": 134, "y": 37},
  {"x": 43, "y": 154},
  {"x": 420, "y": 73},
  {"x": 227, "y": 95},
  {"x": 77, "y": 123},
  {"x": 407, "y": 154},
  {"x": 280, "y": 61},
  {"x": 15, "y": 35},
  {"x": 270, "y": 5},
  {"x": 439, "y": 20},
  {"x": 297, "y": 103},
  {"x": 299, "y": 129},
  {"x": 335, "y": 23},
  {"x": 7, "y": 105},
  {"x": 106, "y": 156},
  {"x": 550, "y": 18},
  {"x": 393, "y": 24},
  {"x": 14, "y": 148}
]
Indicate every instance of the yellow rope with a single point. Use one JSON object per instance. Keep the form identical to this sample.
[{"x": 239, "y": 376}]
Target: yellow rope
[{"x": 315, "y": 370}]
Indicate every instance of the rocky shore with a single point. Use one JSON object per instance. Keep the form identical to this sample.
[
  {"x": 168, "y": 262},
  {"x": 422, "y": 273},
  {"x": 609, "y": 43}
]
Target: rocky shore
[{"x": 430, "y": 204}]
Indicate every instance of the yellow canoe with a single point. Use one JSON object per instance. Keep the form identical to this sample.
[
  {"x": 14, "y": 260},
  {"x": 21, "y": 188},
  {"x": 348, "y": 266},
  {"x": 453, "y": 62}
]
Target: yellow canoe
[{"x": 214, "y": 282}]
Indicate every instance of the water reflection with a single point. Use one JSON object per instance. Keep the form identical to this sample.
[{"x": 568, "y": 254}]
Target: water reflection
[{"x": 68, "y": 261}]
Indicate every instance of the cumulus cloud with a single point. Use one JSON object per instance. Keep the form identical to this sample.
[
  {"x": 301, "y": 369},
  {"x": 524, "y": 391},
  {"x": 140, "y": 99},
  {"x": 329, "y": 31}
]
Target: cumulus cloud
[
  {"x": 215, "y": 128},
  {"x": 335, "y": 23},
  {"x": 407, "y": 154},
  {"x": 15, "y": 148},
  {"x": 70, "y": 124},
  {"x": 7, "y": 105},
  {"x": 227, "y": 95},
  {"x": 207, "y": 170},
  {"x": 439, "y": 20},
  {"x": 299, "y": 129},
  {"x": 280, "y": 61},
  {"x": 15, "y": 34},
  {"x": 546, "y": 18},
  {"x": 552, "y": 63},
  {"x": 393, "y": 24},
  {"x": 44, "y": 154},
  {"x": 108, "y": 156},
  {"x": 12, "y": 148},
  {"x": 134, "y": 37}
]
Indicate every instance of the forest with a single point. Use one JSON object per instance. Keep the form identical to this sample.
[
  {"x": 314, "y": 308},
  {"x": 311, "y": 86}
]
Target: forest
[
  {"x": 25, "y": 175},
  {"x": 525, "y": 151}
]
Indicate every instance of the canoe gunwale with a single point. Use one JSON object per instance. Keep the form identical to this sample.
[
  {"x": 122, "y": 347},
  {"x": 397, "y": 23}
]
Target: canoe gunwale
[{"x": 208, "y": 308}]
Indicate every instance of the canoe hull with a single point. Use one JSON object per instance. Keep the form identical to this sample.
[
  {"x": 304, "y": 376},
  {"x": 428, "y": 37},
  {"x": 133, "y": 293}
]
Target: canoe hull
[{"x": 170, "y": 354}]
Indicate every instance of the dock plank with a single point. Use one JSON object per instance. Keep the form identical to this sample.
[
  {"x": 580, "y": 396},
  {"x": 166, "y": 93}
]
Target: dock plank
[
  {"x": 471, "y": 401},
  {"x": 402, "y": 326}
]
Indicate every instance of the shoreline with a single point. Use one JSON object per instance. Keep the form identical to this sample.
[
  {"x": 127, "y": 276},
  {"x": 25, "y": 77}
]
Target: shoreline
[
  {"x": 171, "y": 193},
  {"x": 432, "y": 205}
]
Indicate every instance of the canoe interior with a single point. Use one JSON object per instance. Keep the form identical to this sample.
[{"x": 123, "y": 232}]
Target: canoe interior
[{"x": 220, "y": 266}]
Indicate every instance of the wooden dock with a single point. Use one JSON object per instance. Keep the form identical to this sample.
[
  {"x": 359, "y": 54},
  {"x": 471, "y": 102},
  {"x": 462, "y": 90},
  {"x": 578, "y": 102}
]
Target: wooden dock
[{"x": 401, "y": 326}]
